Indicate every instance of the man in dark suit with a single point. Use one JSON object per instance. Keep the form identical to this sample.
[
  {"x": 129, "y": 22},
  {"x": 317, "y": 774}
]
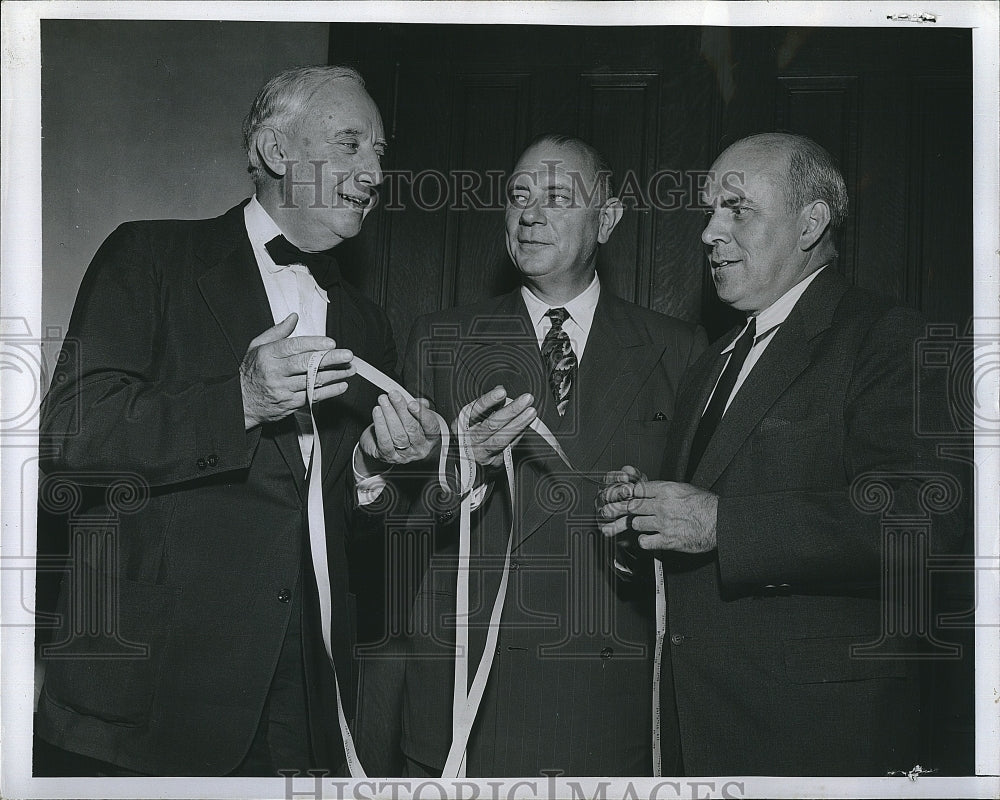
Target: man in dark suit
[
  {"x": 189, "y": 389},
  {"x": 571, "y": 681},
  {"x": 780, "y": 592}
]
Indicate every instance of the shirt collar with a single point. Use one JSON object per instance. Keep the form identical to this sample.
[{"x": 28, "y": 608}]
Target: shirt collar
[
  {"x": 261, "y": 229},
  {"x": 580, "y": 309},
  {"x": 776, "y": 313}
]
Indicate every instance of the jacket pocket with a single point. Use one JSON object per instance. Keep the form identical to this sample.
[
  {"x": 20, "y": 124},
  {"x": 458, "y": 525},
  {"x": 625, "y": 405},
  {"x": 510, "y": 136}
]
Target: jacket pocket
[
  {"x": 644, "y": 444},
  {"x": 777, "y": 430},
  {"x": 829, "y": 660},
  {"x": 113, "y": 635}
]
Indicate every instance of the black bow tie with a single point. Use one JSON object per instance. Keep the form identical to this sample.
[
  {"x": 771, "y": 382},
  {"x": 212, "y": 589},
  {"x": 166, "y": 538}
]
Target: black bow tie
[{"x": 322, "y": 266}]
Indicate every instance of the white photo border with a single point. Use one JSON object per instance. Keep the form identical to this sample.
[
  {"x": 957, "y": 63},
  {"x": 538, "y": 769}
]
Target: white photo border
[{"x": 21, "y": 303}]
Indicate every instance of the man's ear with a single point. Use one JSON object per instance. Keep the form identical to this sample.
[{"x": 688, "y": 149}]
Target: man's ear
[
  {"x": 270, "y": 144},
  {"x": 611, "y": 212},
  {"x": 814, "y": 220}
]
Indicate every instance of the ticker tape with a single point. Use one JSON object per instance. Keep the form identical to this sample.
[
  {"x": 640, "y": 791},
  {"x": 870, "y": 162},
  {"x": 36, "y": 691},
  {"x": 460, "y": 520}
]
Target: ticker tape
[{"x": 465, "y": 703}]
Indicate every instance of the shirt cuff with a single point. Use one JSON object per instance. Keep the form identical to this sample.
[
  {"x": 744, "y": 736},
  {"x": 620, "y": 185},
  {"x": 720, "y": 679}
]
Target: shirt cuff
[
  {"x": 368, "y": 487},
  {"x": 478, "y": 495}
]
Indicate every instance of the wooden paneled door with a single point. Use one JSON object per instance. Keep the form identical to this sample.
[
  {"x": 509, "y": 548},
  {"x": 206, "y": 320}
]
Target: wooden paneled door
[{"x": 459, "y": 103}]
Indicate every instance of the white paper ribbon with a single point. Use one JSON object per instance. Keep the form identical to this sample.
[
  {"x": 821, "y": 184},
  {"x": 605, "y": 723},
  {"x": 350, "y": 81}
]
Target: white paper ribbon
[{"x": 465, "y": 703}]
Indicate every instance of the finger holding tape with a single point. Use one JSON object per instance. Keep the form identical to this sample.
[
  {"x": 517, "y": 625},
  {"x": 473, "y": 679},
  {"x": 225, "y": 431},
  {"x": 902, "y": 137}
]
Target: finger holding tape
[{"x": 399, "y": 439}]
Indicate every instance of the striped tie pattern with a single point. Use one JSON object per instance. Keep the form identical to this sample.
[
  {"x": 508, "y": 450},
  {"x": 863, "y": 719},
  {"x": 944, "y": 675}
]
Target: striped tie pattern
[{"x": 560, "y": 358}]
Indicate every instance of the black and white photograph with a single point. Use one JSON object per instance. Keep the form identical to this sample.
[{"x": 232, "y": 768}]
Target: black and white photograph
[{"x": 500, "y": 400}]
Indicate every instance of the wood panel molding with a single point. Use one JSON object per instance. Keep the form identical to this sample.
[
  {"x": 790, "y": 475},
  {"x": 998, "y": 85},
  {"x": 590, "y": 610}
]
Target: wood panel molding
[
  {"x": 480, "y": 144},
  {"x": 619, "y": 115},
  {"x": 825, "y": 108}
]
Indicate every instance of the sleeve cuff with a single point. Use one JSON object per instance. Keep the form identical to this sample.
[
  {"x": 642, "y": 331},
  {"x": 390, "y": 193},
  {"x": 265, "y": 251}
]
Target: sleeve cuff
[{"x": 368, "y": 486}]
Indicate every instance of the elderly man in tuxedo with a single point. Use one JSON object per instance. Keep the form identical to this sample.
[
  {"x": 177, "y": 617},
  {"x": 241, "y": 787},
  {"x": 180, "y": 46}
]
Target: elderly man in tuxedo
[
  {"x": 779, "y": 576},
  {"x": 189, "y": 381},
  {"x": 570, "y": 684}
]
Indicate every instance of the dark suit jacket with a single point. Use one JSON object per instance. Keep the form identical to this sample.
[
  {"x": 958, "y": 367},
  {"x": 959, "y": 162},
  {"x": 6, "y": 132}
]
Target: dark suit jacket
[
  {"x": 762, "y": 629},
  {"x": 571, "y": 682},
  {"x": 203, "y": 561}
]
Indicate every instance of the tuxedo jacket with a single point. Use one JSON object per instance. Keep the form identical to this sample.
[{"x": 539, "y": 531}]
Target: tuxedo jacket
[
  {"x": 781, "y": 645},
  {"x": 202, "y": 522},
  {"x": 570, "y": 686}
]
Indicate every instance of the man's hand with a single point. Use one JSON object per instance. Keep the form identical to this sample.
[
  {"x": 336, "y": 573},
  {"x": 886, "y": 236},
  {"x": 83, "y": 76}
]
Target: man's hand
[
  {"x": 669, "y": 516},
  {"x": 400, "y": 433},
  {"x": 625, "y": 476},
  {"x": 489, "y": 431},
  {"x": 273, "y": 372}
]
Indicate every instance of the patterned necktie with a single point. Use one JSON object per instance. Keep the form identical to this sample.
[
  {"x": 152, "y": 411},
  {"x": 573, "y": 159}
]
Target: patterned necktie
[
  {"x": 322, "y": 265},
  {"x": 717, "y": 405},
  {"x": 560, "y": 358}
]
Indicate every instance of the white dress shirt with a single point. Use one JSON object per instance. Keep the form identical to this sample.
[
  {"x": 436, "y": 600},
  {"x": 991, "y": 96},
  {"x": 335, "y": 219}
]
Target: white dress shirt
[
  {"x": 290, "y": 289},
  {"x": 768, "y": 321}
]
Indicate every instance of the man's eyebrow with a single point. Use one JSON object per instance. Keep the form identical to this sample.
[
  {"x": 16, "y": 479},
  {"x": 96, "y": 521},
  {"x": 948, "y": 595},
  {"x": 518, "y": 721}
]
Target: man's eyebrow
[{"x": 348, "y": 132}]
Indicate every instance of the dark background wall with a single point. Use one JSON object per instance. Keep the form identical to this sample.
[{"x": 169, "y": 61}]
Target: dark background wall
[
  {"x": 141, "y": 120},
  {"x": 893, "y": 106}
]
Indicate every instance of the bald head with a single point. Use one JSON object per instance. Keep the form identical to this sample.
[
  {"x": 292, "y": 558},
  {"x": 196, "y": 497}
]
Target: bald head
[{"x": 805, "y": 171}]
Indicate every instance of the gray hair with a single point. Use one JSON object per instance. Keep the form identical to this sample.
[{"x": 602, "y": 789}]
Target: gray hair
[
  {"x": 812, "y": 173},
  {"x": 598, "y": 163},
  {"x": 283, "y": 101}
]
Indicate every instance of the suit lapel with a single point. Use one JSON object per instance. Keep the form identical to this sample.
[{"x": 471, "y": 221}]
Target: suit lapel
[
  {"x": 231, "y": 265},
  {"x": 618, "y": 357},
  {"x": 788, "y": 354},
  {"x": 691, "y": 401},
  {"x": 500, "y": 348},
  {"x": 345, "y": 326}
]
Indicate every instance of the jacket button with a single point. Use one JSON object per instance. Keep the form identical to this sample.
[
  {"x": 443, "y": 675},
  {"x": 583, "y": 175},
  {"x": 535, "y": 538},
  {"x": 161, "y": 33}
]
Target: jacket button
[
  {"x": 515, "y": 565},
  {"x": 659, "y": 416},
  {"x": 677, "y": 638},
  {"x": 607, "y": 652},
  {"x": 213, "y": 460},
  {"x": 284, "y": 596},
  {"x": 201, "y": 463}
]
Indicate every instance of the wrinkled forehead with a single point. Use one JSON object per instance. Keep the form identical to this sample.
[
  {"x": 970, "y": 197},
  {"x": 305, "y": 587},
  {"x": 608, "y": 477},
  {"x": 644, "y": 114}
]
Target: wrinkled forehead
[
  {"x": 344, "y": 103},
  {"x": 552, "y": 166},
  {"x": 743, "y": 176}
]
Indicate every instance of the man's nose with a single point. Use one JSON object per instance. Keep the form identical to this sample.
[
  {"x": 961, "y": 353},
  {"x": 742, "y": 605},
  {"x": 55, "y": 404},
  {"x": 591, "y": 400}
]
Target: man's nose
[
  {"x": 715, "y": 231},
  {"x": 369, "y": 173},
  {"x": 532, "y": 213}
]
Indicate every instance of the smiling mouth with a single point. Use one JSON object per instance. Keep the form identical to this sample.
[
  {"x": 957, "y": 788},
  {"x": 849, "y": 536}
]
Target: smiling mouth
[
  {"x": 526, "y": 242},
  {"x": 358, "y": 202},
  {"x": 718, "y": 263}
]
